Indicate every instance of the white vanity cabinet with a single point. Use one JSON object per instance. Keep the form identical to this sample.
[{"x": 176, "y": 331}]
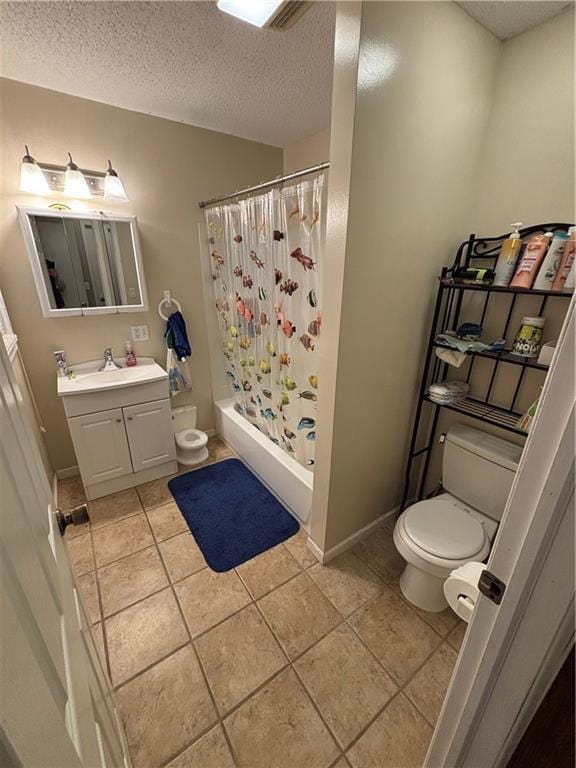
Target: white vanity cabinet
[
  {"x": 150, "y": 435},
  {"x": 121, "y": 426},
  {"x": 101, "y": 445}
]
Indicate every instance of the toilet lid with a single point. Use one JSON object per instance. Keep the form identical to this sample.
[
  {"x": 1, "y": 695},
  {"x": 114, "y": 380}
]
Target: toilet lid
[{"x": 443, "y": 528}]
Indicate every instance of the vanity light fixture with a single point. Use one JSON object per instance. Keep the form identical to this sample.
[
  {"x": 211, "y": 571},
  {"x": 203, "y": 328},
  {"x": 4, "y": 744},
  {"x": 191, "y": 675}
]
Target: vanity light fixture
[
  {"x": 75, "y": 184},
  {"x": 113, "y": 187},
  {"x": 32, "y": 178},
  {"x": 40, "y": 178}
]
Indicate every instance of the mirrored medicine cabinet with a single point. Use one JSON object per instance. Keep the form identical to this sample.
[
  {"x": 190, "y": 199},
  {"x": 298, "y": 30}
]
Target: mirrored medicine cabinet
[{"x": 84, "y": 263}]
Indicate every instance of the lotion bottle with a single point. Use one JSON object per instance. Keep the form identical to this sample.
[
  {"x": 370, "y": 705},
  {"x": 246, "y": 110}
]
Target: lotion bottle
[
  {"x": 564, "y": 280},
  {"x": 530, "y": 261},
  {"x": 129, "y": 354},
  {"x": 508, "y": 257},
  {"x": 550, "y": 265}
]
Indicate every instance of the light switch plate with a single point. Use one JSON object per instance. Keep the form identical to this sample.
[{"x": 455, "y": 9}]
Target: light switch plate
[{"x": 140, "y": 333}]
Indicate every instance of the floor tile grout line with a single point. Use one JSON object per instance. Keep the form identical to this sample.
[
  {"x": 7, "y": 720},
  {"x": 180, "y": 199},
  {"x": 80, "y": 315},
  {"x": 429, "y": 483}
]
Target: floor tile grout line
[
  {"x": 106, "y": 660},
  {"x": 194, "y": 649},
  {"x": 420, "y": 668},
  {"x": 371, "y": 722},
  {"x": 239, "y": 574},
  {"x": 290, "y": 663},
  {"x": 202, "y": 670},
  {"x": 117, "y": 686},
  {"x": 344, "y": 619},
  {"x": 318, "y": 710},
  {"x": 137, "y": 602},
  {"x": 173, "y": 651},
  {"x": 400, "y": 686}
]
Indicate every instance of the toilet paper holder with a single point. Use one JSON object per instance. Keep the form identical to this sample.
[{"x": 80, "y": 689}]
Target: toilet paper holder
[{"x": 491, "y": 587}]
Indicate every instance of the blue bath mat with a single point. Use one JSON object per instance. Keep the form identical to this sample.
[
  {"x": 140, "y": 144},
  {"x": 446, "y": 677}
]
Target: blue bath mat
[{"x": 232, "y": 516}]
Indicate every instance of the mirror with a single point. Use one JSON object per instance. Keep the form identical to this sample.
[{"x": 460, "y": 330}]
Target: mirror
[{"x": 84, "y": 263}]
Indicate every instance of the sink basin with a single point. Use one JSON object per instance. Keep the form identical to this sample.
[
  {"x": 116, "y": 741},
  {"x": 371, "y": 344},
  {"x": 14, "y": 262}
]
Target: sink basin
[{"x": 90, "y": 379}]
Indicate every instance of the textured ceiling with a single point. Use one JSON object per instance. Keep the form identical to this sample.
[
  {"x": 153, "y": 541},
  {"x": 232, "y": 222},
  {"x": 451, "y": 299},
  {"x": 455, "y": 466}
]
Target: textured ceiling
[
  {"x": 507, "y": 18},
  {"x": 186, "y": 61}
]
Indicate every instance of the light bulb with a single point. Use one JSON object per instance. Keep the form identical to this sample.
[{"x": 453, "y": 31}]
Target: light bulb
[
  {"x": 32, "y": 178},
  {"x": 75, "y": 184},
  {"x": 113, "y": 187}
]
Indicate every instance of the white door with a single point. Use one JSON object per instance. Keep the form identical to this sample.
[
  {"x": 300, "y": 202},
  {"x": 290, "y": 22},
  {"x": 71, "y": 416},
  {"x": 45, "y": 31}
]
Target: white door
[
  {"x": 101, "y": 445},
  {"x": 56, "y": 708},
  {"x": 150, "y": 434}
]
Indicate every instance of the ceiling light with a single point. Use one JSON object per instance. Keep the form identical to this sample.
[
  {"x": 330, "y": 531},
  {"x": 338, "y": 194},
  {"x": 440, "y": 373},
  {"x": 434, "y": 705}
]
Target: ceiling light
[
  {"x": 113, "y": 187},
  {"x": 75, "y": 184},
  {"x": 257, "y": 12},
  {"x": 31, "y": 177}
]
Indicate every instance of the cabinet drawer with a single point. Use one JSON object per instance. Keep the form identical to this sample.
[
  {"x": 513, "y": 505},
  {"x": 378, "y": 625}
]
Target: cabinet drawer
[
  {"x": 101, "y": 445},
  {"x": 150, "y": 435}
]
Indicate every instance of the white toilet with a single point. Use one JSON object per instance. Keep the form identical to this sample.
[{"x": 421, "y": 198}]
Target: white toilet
[
  {"x": 191, "y": 443},
  {"x": 442, "y": 533}
]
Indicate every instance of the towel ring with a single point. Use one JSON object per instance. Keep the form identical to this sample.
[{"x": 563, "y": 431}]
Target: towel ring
[{"x": 168, "y": 300}]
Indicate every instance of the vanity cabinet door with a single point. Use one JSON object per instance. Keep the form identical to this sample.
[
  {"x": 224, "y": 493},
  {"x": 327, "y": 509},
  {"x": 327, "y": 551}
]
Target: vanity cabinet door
[
  {"x": 150, "y": 434},
  {"x": 101, "y": 445}
]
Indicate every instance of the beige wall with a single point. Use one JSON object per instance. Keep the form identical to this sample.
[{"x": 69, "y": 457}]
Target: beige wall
[
  {"x": 422, "y": 106},
  {"x": 526, "y": 173},
  {"x": 306, "y": 152},
  {"x": 527, "y": 168},
  {"x": 167, "y": 168}
]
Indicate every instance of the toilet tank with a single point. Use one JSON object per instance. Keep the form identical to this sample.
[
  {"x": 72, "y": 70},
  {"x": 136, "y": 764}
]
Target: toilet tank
[
  {"x": 479, "y": 468},
  {"x": 184, "y": 418}
]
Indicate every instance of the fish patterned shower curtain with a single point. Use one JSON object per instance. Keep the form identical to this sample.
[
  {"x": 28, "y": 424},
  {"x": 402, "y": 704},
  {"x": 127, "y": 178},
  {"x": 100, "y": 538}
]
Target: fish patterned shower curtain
[{"x": 266, "y": 261}]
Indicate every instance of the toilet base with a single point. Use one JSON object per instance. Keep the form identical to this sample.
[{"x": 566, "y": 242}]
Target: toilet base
[
  {"x": 191, "y": 458},
  {"x": 423, "y": 590}
]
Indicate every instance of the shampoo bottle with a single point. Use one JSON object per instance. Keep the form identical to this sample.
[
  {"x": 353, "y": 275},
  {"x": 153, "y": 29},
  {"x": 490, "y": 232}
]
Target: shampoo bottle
[
  {"x": 530, "y": 261},
  {"x": 564, "y": 280},
  {"x": 550, "y": 265},
  {"x": 508, "y": 257}
]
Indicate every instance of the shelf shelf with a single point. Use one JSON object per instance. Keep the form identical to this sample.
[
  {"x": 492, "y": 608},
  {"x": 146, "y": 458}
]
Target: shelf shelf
[
  {"x": 448, "y": 282},
  {"x": 491, "y": 414},
  {"x": 503, "y": 357}
]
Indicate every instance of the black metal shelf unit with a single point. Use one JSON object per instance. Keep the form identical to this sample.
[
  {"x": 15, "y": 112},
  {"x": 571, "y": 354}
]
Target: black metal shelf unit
[{"x": 484, "y": 252}]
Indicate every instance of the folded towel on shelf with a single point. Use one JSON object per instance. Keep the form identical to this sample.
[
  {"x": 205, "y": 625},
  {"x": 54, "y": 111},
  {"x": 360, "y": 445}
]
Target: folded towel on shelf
[
  {"x": 451, "y": 356},
  {"x": 448, "y": 392},
  {"x": 449, "y": 339}
]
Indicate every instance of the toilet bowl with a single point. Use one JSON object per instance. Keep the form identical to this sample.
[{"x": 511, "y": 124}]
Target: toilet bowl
[
  {"x": 440, "y": 534},
  {"x": 434, "y": 537},
  {"x": 191, "y": 443}
]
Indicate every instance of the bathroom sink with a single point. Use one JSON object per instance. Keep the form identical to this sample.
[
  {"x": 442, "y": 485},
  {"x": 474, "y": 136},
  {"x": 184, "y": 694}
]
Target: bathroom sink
[{"x": 89, "y": 379}]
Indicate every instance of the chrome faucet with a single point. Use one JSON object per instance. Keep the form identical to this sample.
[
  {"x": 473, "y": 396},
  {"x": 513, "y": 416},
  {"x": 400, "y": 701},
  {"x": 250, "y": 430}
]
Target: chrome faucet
[{"x": 109, "y": 364}]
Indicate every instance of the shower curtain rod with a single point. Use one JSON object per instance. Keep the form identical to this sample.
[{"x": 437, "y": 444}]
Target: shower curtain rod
[{"x": 265, "y": 184}]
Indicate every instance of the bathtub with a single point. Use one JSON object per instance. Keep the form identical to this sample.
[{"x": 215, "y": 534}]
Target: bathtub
[{"x": 289, "y": 481}]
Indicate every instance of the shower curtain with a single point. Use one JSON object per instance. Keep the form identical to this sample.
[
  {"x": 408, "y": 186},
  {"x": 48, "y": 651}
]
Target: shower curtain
[{"x": 266, "y": 260}]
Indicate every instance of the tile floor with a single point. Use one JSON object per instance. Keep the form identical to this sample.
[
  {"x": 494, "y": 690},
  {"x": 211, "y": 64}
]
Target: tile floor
[{"x": 279, "y": 663}]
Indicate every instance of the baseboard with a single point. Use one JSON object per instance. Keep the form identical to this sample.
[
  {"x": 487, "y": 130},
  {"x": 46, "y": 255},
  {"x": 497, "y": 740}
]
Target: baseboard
[
  {"x": 210, "y": 432},
  {"x": 62, "y": 474},
  {"x": 350, "y": 541}
]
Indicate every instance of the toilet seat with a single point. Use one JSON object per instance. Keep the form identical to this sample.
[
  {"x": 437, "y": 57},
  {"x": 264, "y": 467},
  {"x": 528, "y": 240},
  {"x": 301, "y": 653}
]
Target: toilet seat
[
  {"x": 443, "y": 527},
  {"x": 191, "y": 439}
]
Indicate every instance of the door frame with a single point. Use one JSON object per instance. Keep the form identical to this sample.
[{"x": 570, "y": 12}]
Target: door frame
[{"x": 512, "y": 652}]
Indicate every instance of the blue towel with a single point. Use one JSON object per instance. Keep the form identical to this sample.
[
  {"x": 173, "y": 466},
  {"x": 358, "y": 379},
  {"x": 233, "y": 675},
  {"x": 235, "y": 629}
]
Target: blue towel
[{"x": 176, "y": 336}]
